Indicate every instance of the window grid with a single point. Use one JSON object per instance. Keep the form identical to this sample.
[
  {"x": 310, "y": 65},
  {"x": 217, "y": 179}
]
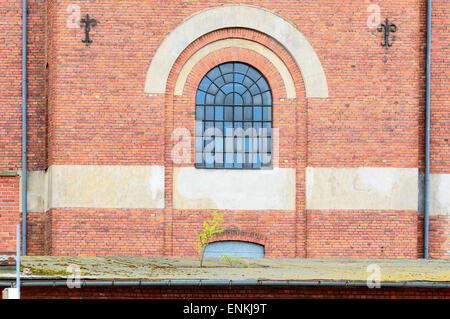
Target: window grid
[{"x": 250, "y": 106}]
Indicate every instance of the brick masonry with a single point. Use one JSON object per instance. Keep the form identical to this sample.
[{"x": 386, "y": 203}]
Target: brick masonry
[
  {"x": 233, "y": 292},
  {"x": 86, "y": 106}
]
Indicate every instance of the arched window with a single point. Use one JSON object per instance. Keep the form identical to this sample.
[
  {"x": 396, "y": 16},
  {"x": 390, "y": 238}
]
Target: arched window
[
  {"x": 234, "y": 248},
  {"x": 233, "y": 118}
]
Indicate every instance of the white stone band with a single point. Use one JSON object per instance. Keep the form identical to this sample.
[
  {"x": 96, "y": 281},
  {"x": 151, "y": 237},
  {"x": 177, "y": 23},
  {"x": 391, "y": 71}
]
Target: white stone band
[{"x": 243, "y": 16}]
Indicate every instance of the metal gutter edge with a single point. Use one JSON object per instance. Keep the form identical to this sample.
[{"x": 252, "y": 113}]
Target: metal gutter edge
[{"x": 185, "y": 283}]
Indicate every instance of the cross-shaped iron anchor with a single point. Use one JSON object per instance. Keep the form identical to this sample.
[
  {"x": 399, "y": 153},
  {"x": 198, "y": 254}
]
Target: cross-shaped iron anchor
[
  {"x": 388, "y": 27},
  {"x": 88, "y": 23}
]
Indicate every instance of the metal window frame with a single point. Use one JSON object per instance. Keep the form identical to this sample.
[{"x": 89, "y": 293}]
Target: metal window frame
[{"x": 214, "y": 121}]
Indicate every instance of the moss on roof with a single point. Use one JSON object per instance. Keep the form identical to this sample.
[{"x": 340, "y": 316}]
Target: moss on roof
[{"x": 172, "y": 268}]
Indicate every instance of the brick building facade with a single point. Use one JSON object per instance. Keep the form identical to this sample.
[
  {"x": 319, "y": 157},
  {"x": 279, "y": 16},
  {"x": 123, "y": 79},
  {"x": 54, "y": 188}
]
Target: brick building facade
[{"x": 111, "y": 172}]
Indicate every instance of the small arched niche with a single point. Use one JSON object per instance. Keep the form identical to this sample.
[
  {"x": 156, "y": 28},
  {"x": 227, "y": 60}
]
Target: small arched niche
[{"x": 236, "y": 248}]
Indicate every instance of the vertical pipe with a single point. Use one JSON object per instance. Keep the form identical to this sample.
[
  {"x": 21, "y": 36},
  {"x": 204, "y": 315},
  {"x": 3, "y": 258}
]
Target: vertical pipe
[
  {"x": 18, "y": 261},
  {"x": 427, "y": 133},
  {"x": 24, "y": 127}
]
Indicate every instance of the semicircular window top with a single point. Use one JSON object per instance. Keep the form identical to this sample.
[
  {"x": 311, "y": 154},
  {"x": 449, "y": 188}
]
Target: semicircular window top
[
  {"x": 233, "y": 118},
  {"x": 234, "y": 248}
]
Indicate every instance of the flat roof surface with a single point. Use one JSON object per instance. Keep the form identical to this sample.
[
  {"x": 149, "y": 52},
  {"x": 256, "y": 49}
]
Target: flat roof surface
[{"x": 267, "y": 269}]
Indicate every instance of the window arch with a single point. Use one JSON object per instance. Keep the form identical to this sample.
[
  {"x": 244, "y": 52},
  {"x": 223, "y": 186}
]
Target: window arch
[{"x": 233, "y": 118}]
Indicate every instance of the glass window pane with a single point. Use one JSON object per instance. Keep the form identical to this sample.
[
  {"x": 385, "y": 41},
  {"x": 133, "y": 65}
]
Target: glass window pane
[
  {"x": 240, "y": 68},
  {"x": 227, "y": 88},
  {"x": 267, "y": 98},
  {"x": 219, "y": 113},
  {"x": 248, "y": 113},
  {"x": 229, "y": 99},
  {"x": 226, "y": 68},
  {"x": 213, "y": 89},
  {"x": 200, "y": 98},
  {"x": 228, "y": 78},
  {"x": 238, "y": 113},
  {"x": 263, "y": 86},
  {"x": 254, "y": 90},
  {"x": 213, "y": 74},
  {"x": 239, "y": 88},
  {"x": 204, "y": 84},
  {"x": 209, "y": 114},
  {"x": 257, "y": 100},
  {"x": 200, "y": 113},
  {"x": 238, "y": 160},
  {"x": 228, "y": 126},
  {"x": 199, "y": 144},
  {"x": 218, "y": 143},
  {"x": 257, "y": 113},
  {"x": 229, "y": 160},
  {"x": 231, "y": 114},
  {"x": 198, "y": 128},
  {"x": 220, "y": 98},
  {"x": 219, "y": 81},
  {"x": 248, "y": 82},
  {"x": 238, "y": 78},
  {"x": 228, "y": 116},
  {"x": 238, "y": 129},
  {"x": 237, "y": 99},
  {"x": 253, "y": 74},
  {"x": 219, "y": 129},
  {"x": 267, "y": 114},
  {"x": 267, "y": 129},
  {"x": 229, "y": 144},
  {"x": 198, "y": 158},
  {"x": 209, "y": 99},
  {"x": 247, "y": 97},
  {"x": 239, "y": 144}
]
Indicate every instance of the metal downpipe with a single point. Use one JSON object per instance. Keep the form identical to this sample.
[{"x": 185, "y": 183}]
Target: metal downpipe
[
  {"x": 427, "y": 135},
  {"x": 24, "y": 127}
]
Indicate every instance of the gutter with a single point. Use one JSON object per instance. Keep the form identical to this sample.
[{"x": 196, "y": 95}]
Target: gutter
[
  {"x": 427, "y": 135},
  {"x": 24, "y": 128},
  {"x": 227, "y": 283}
]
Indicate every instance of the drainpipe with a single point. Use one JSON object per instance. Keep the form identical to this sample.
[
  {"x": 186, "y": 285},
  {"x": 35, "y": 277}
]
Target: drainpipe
[
  {"x": 427, "y": 133},
  {"x": 24, "y": 127}
]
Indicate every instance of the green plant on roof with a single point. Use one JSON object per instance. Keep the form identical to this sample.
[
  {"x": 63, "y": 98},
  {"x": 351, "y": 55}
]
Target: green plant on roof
[
  {"x": 230, "y": 258},
  {"x": 211, "y": 227}
]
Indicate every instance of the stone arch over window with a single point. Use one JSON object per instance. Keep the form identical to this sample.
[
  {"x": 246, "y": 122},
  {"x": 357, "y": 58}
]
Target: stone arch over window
[
  {"x": 233, "y": 118},
  {"x": 236, "y": 248},
  {"x": 245, "y": 16}
]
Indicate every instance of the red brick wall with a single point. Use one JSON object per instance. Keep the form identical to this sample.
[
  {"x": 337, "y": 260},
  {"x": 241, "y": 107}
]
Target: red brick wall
[
  {"x": 232, "y": 292},
  {"x": 9, "y": 213},
  {"x": 94, "y": 111},
  {"x": 103, "y": 232},
  {"x": 361, "y": 234},
  {"x": 11, "y": 85},
  {"x": 440, "y": 83}
]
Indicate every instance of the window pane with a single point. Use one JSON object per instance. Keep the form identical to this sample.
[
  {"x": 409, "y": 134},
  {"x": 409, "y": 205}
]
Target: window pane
[
  {"x": 257, "y": 113},
  {"x": 240, "y": 68},
  {"x": 199, "y": 113},
  {"x": 226, "y": 68},
  {"x": 247, "y": 113},
  {"x": 213, "y": 74},
  {"x": 219, "y": 113},
  {"x": 238, "y": 113},
  {"x": 267, "y": 98},
  {"x": 200, "y": 99},
  {"x": 209, "y": 115},
  {"x": 267, "y": 114},
  {"x": 233, "y": 109},
  {"x": 204, "y": 84}
]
